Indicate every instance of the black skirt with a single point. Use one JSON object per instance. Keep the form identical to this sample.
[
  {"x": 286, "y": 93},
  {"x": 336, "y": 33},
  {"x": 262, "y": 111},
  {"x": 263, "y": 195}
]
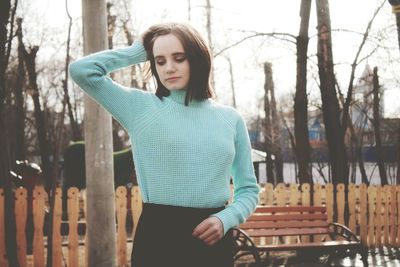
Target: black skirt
[{"x": 164, "y": 238}]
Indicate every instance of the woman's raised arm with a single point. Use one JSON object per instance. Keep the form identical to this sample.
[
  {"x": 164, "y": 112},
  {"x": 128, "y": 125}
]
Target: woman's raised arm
[{"x": 91, "y": 74}]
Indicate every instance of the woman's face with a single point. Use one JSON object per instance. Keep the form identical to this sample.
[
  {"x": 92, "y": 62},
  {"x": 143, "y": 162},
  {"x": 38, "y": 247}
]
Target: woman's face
[{"x": 172, "y": 65}]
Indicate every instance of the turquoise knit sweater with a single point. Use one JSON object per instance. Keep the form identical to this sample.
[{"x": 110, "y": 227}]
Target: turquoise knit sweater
[{"x": 183, "y": 155}]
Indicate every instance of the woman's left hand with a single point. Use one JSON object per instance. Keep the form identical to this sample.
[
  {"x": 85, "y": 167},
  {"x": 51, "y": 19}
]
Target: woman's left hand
[{"x": 210, "y": 231}]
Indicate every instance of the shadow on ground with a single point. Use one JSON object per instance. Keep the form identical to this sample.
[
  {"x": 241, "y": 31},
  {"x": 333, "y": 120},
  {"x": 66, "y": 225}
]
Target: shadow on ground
[{"x": 386, "y": 256}]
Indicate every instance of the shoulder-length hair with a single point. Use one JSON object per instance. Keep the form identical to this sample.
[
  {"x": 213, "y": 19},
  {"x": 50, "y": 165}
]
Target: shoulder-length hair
[{"x": 197, "y": 52}]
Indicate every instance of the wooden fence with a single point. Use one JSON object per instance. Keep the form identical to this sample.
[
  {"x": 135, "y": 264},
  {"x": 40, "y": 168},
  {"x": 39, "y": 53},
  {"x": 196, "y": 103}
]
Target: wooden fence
[{"x": 371, "y": 212}]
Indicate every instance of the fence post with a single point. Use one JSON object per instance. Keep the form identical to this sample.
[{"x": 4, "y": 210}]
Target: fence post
[
  {"x": 280, "y": 192},
  {"x": 371, "y": 215},
  {"x": 137, "y": 206},
  {"x": 340, "y": 200},
  {"x": 294, "y": 197},
  {"x": 378, "y": 216},
  {"x": 393, "y": 215},
  {"x": 386, "y": 220},
  {"x": 3, "y": 255},
  {"x": 317, "y": 197},
  {"x": 305, "y": 194},
  {"x": 329, "y": 201},
  {"x": 269, "y": 201},
  {"x": 73, "y": 212},
  {"x": 39, "y": 200},
  {"x": 269, "y": 194},
  {"x": 352, "y": 207},
  {"x": 121, "y": 208},
  {"x": 363, "y": 214},
  {"x": 20, "y": 219},
  {"x": 57, "y": 214}
]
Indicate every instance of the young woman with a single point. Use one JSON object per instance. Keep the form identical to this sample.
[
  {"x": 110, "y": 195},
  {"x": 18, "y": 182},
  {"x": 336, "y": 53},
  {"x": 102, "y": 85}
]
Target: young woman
[{"x": 185, "y": 145}]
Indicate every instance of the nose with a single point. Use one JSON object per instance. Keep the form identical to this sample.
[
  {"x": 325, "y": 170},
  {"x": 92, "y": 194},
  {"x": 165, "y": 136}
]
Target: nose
[{"x": 170, "y": 67}]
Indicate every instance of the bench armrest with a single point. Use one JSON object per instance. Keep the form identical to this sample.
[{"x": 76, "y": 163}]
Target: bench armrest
[
  {"x": 343, "y": 231},
  {"x": 244, "y": 245}
]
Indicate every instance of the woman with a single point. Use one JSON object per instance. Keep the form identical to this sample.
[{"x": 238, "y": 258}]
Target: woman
[{"x": 186, "y": 147}]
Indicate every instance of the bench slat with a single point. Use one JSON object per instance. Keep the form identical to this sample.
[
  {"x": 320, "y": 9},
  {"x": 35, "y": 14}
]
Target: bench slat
[
  {"x": 287, "y": 217},
  {"x": 271, "y": 209},
  {"x": 294, "y": 246},
  {"x": 284, "y": 224},
  {"x": 287, "y": 232}
]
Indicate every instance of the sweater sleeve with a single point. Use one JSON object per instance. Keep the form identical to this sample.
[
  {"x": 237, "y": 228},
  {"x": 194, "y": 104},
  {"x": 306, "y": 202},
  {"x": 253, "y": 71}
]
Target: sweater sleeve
[
  {"x": 246, "y": 189},
  {"x": 90, "y": 73}
]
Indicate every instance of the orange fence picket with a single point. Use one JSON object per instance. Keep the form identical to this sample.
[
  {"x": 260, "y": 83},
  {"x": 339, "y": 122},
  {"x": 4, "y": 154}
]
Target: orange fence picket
[{"x": 371, "y": 212}]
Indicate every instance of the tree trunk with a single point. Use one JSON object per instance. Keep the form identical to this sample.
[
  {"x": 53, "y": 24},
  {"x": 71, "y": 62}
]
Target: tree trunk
[
  {"x": 377, "y": 130},
  {"x": 398, "y": 157},
  {"x": 19, "y": 102},
  {"x": 268, "y": 124},
  {"x": 330, "y": 103},
  {"x": 189, "y": 10},
  {"x": 130, "y": 39},
  {"x": 232, "y": 81},
  {"x": 41, "y": 129},
  {"x": 101, "y": 251},
  {"x": 398, "y": 27},
  {"x": 358, "y": 152},
  {"x": 29, "y": 59},
  {"x": 76, "y": 132},
  {"x": 276, "y": 130},
  {"x": 398, "y": 129},
  {"x": 111, "y": 20},
  {"x": 300, "y": 99},
  {"x": 5, "y": 158},
  {"x": 210, "y": 42}
]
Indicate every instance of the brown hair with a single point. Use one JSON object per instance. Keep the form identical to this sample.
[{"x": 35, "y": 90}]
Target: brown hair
[{"x": 197, "y": 53}]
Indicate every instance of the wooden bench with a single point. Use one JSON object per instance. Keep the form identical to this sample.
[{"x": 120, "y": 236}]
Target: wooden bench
[{"x": 303, "y": 229}]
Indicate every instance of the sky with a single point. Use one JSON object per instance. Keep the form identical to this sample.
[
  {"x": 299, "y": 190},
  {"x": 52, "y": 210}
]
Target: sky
[{"x": 231, "y": 21}]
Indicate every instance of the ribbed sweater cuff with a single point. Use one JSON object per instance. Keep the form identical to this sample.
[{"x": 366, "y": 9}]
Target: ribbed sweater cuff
[{"x": 227, "y": 218}]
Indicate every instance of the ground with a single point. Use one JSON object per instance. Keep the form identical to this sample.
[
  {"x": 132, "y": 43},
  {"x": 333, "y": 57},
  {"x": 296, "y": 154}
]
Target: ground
[{"x": 387, "y": 257}]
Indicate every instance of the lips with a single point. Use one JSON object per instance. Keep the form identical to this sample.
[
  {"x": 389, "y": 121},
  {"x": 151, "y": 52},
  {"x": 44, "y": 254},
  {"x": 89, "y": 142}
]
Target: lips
[{"x": 171, "y": 79}]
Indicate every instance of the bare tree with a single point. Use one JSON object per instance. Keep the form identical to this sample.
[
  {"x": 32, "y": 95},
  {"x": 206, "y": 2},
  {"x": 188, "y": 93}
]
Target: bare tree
[
  {"x": 6, "y": 159},
  {"x": 268, "y": 128},
  {"x": 330, "y": 103},
  {"x": 76, "y": 132},
  {"x": 276, "y": 134},
  {"x": 396, "y": 11},
  {"x": 300, "y": 100},
  {"x": 377, "y": 128},
  {"x": 19, "y": 102},
  {"x": 30, "y": 63},
  {"x": 336, "y": 122},
  {"x": 356, "y": 61},
  {"x": 111, "y": 26},
  {"x": 210, "y": 41},
  {"x": 232, "y": 81}
]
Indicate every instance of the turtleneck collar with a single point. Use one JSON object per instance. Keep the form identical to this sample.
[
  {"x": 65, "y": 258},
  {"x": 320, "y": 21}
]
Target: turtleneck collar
[{"x": 179, "y": 97}]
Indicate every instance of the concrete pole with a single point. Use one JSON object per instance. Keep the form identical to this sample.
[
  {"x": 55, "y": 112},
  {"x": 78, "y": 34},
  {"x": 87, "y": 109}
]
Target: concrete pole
[{"x": 101, "y": 226}]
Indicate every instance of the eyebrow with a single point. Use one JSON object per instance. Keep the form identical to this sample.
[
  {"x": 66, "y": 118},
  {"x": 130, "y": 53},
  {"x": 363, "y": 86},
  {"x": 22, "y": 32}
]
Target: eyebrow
[{"x": 173, "y": 54}]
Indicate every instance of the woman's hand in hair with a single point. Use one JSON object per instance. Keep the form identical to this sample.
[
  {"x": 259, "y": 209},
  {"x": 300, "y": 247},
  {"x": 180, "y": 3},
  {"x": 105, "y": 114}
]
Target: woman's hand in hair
[{"x": 210, "y": 231}]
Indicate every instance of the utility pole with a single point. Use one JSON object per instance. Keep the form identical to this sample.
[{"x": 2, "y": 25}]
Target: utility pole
[
  {"x": 396, "y": 10},
  {"x": 101, "y": 227}
]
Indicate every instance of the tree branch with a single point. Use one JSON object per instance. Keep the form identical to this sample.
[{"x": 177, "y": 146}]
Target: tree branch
[
  {"x": 353, "y": 69},
  {"x": 256, "y": 34}
]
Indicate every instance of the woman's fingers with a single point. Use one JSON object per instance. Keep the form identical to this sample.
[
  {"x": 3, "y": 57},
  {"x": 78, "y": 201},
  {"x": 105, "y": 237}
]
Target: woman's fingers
[{"x": 210, "y": 231}]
